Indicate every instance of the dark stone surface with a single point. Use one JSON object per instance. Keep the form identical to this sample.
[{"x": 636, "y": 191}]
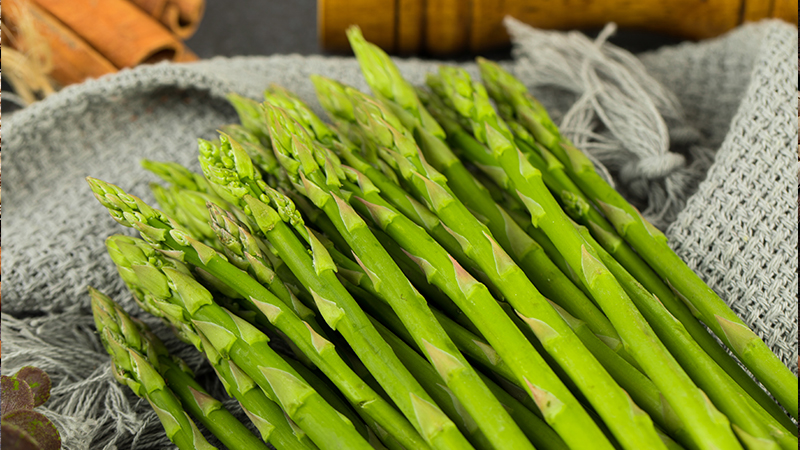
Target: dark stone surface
[{"x": 256, "y": 27}]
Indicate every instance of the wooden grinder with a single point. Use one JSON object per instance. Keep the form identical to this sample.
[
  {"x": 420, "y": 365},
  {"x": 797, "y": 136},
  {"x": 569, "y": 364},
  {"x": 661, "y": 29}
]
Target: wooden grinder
[{"x": 444, "y": 27}]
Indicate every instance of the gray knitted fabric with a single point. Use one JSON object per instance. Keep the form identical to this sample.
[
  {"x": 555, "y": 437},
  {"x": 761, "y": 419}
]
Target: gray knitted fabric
[{"x": 736, "y": 95}]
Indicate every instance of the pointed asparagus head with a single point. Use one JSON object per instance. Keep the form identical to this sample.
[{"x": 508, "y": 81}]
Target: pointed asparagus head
[
  {"x": 498, "y": 141},
  {"x": 381, "y": 73},
  {"x": 505, "y": 88},
  {"x": 331, "y": 95},
  {"x": 300, "y": 112},
  {"x": 372, "y": 116},
  {"x": 250, "y": 114},
  {"x": 294, "y": 147},
  {"x": 470, "y": 101},
  {"x": 492, "y": 76},
  {"x": 126, "y": 209},
  {"x": 141, "y": 262},
  {"x": 259, "y": 151},
  {"x": 455, "y": 85},
  {"x": 436, "y": 83},
  {"x": 285, "y": 207},
  {"x": 103, "y": 311},
  {"x": 228, "y": 169},
  {"x": 241, "y": 134},
  {"x": 173, "y": 173}
]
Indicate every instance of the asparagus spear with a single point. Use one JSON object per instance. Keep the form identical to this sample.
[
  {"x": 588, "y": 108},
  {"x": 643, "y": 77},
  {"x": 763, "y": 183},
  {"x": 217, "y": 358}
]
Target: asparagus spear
[
  {"x": 337, "y": 307},
  {"x": 299, "y": 156},
  {"x": 558, "y": 181},
  {"x": 178, "y": 377},
  {"x": 747, "y": 416},
  {"x": 146, "y": 273},
  {"x": 510, "y": 236},
  {"x": 187, "y": 208},
  {"x": 637, "y": 385},
  {"x": 250, "y": 115},
  {"x": 441, "y": 202},
  {"x": 638, "y": 268},
  {"x": 650, "y": 243},
  {"x": 135, "y": 369},
  {"x": 709, "y": 427},
  {"x": 273, "y": 425},
  {"x": 333, "y": 397},
  {"x": 177, "y": 175},
  {"x": 386, "y": 81},
  {"x": 723, "y": 391},
  {"x": 389, "y": 188},
  {"x": 321, "y": 422}
]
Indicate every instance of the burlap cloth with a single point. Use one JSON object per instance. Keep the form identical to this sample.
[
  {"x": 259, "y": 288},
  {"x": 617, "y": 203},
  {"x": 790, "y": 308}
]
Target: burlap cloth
[{"x": 737, "y": 228}]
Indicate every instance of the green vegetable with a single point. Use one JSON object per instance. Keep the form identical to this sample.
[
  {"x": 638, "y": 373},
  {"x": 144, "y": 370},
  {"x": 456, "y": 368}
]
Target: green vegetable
[
  {"x": 650, "y": 243},
  {"x": 236, "y": 339},
  {"x": 300, "y": 158},
  {"x": 111, "y": 319},
  {"x": 709, "y": 427}
]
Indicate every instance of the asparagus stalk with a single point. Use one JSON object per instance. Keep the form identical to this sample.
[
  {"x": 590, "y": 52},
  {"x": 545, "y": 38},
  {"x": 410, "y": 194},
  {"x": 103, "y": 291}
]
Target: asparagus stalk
[
  {"x": 641, "y": 389},
  {"x": 644, "y": 275},
  {"x": 477, "y": 349},
  {"x": 177, "y": 175},
  {"x": 242, "y": 185},
  {"x": 709, "y": 427},
  {"x": 435, "y": 385},
  {"x": 316, "y": 421},
  {"x": 512, "y": 238},
  {"x": 559, "y": 182},
  {"x": 747, "y": 416},
  {"x": 676, "y": 338},
  {"x": 386, "y": 81},
  {"x": 299, "y": 157},
  {"x": 273, "y": 425},
  {"x": 723, "y": 391},
  {"x": 167, "y": 283},
  {"x": 375, "y": 434},
  {"x": 643, "y": 392},
  {"x": 442, "y": 203},
  {"x": 542, "y": 436},
  {"x": 250, "y": 115},
  {"x": 204, "y": 408},
  {"x": 132, "y": 366},
  {"x": 650, "y": 243}
]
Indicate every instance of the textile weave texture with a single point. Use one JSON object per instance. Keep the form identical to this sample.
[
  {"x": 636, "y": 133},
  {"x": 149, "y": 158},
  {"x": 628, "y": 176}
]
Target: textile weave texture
[{"x": 736, "y": 225}]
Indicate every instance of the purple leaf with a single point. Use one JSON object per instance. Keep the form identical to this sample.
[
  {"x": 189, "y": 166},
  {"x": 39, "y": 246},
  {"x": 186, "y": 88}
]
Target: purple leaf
[
  {"x": 15, "y": 395},
  {"x": 37, "y": 426},
  {"x": 38, "y": 381},
  {"x": 14, "y": 438}
]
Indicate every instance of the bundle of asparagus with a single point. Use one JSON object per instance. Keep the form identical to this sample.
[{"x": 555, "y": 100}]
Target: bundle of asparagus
[{"x": 429, "y": 272}]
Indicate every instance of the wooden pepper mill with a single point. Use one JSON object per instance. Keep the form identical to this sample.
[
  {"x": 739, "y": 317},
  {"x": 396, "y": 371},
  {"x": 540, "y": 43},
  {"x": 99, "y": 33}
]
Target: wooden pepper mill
[{"x": 445, "y": 27}]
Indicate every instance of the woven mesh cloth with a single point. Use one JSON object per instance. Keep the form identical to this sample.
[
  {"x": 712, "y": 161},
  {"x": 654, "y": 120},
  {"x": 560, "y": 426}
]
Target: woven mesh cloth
[{"x": 737, "y": 96}]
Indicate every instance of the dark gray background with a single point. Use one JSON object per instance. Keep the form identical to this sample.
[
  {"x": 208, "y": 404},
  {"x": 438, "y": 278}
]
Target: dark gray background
[{"x": 256, "y": 27}]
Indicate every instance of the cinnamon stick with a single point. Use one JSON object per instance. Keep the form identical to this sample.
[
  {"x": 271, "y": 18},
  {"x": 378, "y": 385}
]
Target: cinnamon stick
[
  {"x": 182, "y": 17},
  {"x": 72, "y": 59},
  {"x": 118, "y": 29}
]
